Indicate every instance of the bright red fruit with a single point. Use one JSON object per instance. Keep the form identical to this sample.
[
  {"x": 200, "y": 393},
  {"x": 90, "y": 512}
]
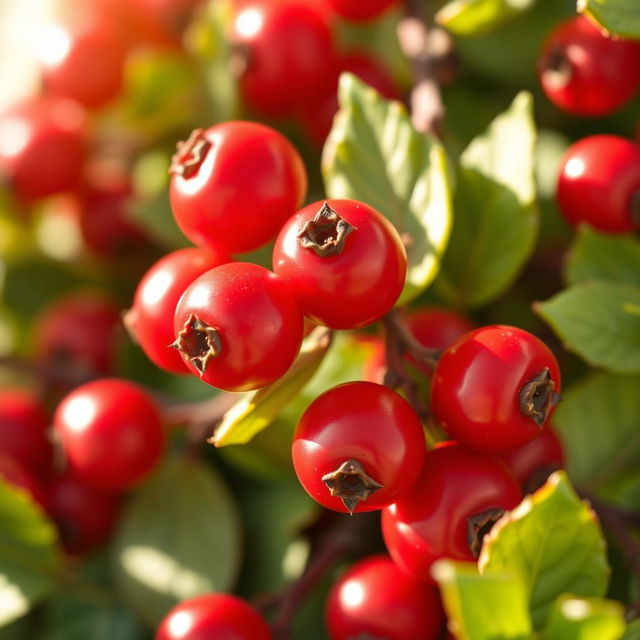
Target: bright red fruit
[
  {"x": 111, "y": 433},
  {"x": 151, "y": 318},
  {"x": 361, "y": 10},
  {"x": 214, "y": 615},
  {"x": 85, "y": 517},
  {"x": 344, "y": 262},
  {"x": 238, "y": 327},
  {"x": 289, "y": 53},
  {"x": 16, "y": 474},
  {"x": 585, "y": 72},
  {"x": 234, "y": 185},
  {"x": 23, "y": 430},
  {"x": 42, "y": 146},
  {"x": 358, "y": 447},
  {"x": 375, "y": 599},
  {"x": 456, "y": 500},
  {"x": 494, "y": 388},
  {"x": 599, "y": 184}
]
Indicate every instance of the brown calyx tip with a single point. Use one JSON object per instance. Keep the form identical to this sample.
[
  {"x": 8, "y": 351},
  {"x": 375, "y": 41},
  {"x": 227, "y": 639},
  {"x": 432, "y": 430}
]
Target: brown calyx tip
[
  {"x": 190, "y": 155},
  {"x": 479, "y": 525},
  {"x": 326, "y": 233},
  {"x": 351, "y": 484},
  {"x": 538, "y": 397},
  {"x": 556, "y": 67},
  {"x": 198, "y": 342}
]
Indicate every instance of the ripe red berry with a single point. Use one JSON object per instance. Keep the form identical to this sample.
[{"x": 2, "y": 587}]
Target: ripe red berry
[
  {"x": 238, "y": 327},
  {"x": 494, "y": 388},
  {"x": 16, "y": 474},
  {"x": 599, "y": 184},
  {"x": 151, "y": 318},
  {"x": 358, "y": 447},
  {"x": 23, "y": 430},
  {"x": 585, "y": 72},
  {"x": 375, "y": 599},
  {"x": 456, "y": 501},
  {"x": 234, "y": 185},
  {"x": 344, "y": 262},
  {"x": 85, "y": 517},
  {"x": 214, "y": 615},
  {"x": 42, "y": 146},
  {"x": 289, "y": 53},
  {"x": 111, "y": 433},
  {"x": 360, "y": 11}
]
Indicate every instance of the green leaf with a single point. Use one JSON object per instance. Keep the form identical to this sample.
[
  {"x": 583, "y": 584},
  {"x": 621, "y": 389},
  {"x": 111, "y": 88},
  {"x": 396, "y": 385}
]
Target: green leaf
[
  {"x": 178, "y": 538},
  {"x": 633, "y": 631},
  {"x": 483, "y": 607},
  {"x": 617, "y": 16},
  {"x": 30, "y": 559},
  {"x": 257, "y": 409},
  {"x": 553, "y": 541},
  {"x": 374, "y": 154},
  {"x": 598, "y": 422},
  {"x": 496, "y": 217},
  {"x": 475, "y": 17},
  {"x": 599, "y": 322},
  {"x": 596, "y": 256},
  {"x": 574, "y": 618}
]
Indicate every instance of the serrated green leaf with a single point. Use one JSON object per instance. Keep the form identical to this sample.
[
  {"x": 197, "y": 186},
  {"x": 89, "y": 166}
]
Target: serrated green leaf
[
  {"x": 598, "y": 422},
  {"x": 30, "y": 559},
  {"x": 475, "y": 17},
  {"x": 633, "y": 631},
  {"x": 596, "y": 256},
  {"x": 620, "y": 17},
  {"x": 553, "y": 541},
  {"x": 597, "y": 321},
  {"x": 374, "y": 154},
  {"x": 178, "y": 538},
  {"x": 496, "y": 217},
  {"x": 574, "y": 618},
  {"x": 257, "y": 409},
  {"x": 483, "y": 607}
]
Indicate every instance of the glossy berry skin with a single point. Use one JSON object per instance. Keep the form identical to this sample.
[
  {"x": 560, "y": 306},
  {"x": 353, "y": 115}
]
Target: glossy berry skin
[
  {"x": 85, "y": 517},
  {"x": 586, "y": 73},
  {"x": 257, "y": 324},
  {"x": 355, "y": 284},
  {"x": 374, "y": 598},
  {"x": 234, "y": 185},
  {"x": 365, "y": 422},
  {"x": 477, "y": 387},
  {"x": 599, "y": 184},
  {"x": 23, "y": 430},
  {"x": 42, "y": 147},
  {"x": 111, "y": 434},
  {"x": 289, "y": 52},
  {"x": 431, "y": 521},
  {"x": 150, "y": 320},
  {"x": 214, "y": 615},
  {"x": 79, "y": 333},
  {"x": 359, "y": 11}
]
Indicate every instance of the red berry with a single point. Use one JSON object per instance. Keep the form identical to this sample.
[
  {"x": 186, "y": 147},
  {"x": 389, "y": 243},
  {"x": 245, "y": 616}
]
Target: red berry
[
  {"x": 375, "y": 599},
  {"x": 599, "y": 184},
  {"x": 289, "y": 52},
  {"x": 358, "y": 447},
  {"x": 16, "y": 474},
  {"x": 361, "y": 10},
  {"x": 85, "y": 517},
  {"x": 42, "y": 146},
  {"x": 23, "y": 430},
  {"x": 456, "y": 500},
  {"x": 587, "y": 73},
  {"x": 494, "y": 388},
  {"x": 234, "y": 185},
  {"x": 344, "y": 262},
  {"x": 214, "y": 615},
  {"x": 238, "y": 327},
  {"x": 151, "y": 318},
  {"x": 111, "y": 433}
]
